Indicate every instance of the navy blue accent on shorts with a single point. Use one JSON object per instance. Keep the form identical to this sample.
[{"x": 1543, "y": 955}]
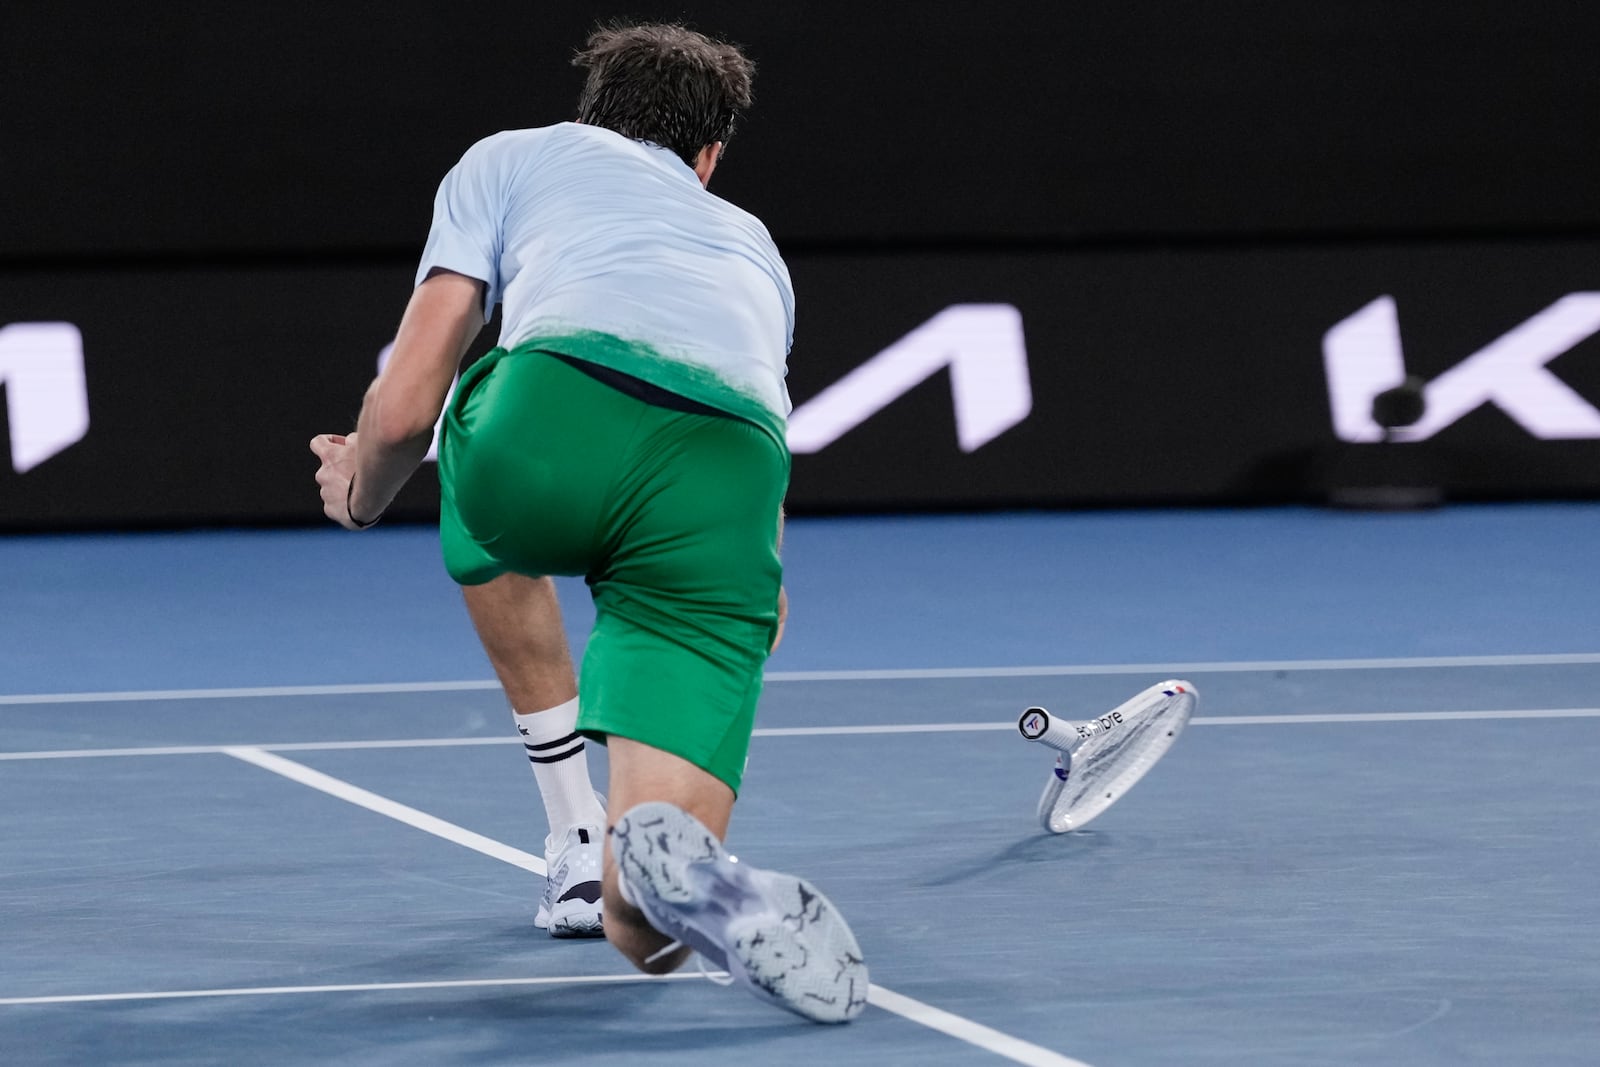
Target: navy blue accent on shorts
[{"x": 640, "y": 389}]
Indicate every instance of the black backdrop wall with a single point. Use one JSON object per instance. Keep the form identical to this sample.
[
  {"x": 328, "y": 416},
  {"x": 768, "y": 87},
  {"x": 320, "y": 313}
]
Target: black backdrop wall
[{"x": 1150, "y": 221}]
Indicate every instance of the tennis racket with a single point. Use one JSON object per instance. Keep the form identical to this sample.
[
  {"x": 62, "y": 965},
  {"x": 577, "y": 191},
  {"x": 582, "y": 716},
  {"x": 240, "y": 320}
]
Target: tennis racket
[{"x": 1100, "y": 759}]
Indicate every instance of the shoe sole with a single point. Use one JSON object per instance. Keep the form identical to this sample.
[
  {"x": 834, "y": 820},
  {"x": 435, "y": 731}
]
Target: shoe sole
[
  {"x": 574, "y": 916},
  {"x": 775, "y": 933},
  {"x": 587, "y": 923}
]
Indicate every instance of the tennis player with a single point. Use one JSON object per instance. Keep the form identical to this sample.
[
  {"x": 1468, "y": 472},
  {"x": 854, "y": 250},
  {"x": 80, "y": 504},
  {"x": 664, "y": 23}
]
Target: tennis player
[{"x": 629, "y": 428}]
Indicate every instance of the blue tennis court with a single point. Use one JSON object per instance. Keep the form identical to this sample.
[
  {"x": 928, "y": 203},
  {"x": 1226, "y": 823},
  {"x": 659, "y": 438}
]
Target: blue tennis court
[{"x": 260, "y": 804}]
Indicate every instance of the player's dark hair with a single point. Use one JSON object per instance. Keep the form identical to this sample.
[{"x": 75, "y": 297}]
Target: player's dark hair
[{"x": 664, "y": 83}]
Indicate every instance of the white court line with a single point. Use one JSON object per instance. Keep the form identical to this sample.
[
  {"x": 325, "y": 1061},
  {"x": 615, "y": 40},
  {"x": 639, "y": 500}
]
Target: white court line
[
  {"x": 955, "y": 1026},
  {"x": 1005, "y": 1045},
  {"x": 299, "y": 772},
  {"x": 1205, "y": 720},
  {"x": 883, "y": 728},
  {"x": 1398, "y": 716},
  {"x": 819, "y": 731},
  {"x": 1012, "y": 1048},
  {"x": 1214, "y": 667},
  {"x": 100, "y": 753},
  {"x": 363, "y": 987},
  {"x": 287, "y": 746},
  {"x": 245, "y": 692}
]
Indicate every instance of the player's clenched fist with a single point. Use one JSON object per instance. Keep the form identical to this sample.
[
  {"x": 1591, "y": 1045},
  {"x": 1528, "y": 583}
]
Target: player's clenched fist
[{"x": 338, "y": 455}]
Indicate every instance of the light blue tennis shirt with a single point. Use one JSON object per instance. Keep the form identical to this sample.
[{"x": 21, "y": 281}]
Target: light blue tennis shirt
[{"x": 613, "y": 251}]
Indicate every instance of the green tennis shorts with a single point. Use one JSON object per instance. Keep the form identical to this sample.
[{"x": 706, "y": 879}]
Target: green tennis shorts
[{"x": 671, "y": 516}]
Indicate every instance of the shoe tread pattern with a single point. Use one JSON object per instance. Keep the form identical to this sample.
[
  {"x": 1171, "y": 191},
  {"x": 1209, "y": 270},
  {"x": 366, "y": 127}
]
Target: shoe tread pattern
[{"x": 774, "y": 932}]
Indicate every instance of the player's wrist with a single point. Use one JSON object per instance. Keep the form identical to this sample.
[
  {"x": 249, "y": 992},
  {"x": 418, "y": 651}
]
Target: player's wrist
[{"x": 350, "y": 510}]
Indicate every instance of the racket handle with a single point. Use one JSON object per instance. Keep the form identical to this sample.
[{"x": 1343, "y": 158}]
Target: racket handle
[{"x": 1037, "y": 724}]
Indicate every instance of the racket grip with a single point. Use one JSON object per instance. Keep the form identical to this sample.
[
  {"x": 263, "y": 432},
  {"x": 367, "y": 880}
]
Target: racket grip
[{"x": 1037, "y": 724}]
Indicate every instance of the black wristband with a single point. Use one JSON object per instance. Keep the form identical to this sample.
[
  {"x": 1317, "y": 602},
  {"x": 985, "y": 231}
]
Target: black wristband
[{"x": 348, "y": 510}]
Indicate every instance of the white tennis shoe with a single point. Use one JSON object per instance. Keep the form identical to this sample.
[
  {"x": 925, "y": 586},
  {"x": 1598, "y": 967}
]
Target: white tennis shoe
[
  {"x": 773, "y": 933},
  {"x": 571, "y": 903},
  {"x": 1099, "y": 760}
]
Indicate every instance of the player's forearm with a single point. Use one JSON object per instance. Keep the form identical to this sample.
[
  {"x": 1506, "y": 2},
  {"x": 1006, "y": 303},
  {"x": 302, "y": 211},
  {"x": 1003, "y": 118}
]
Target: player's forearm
[
  {"x": 386, "y": 456},
  {"x": 395, "y": 428}
]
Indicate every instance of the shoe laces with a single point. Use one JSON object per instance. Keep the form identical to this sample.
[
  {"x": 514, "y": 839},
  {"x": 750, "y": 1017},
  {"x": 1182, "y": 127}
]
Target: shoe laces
[
  {"x": 722, "y": 978},
  {"x": 666, "y": 950}
]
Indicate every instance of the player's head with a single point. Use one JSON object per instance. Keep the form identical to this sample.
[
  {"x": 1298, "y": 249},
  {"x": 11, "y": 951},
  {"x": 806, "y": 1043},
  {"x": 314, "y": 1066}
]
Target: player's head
[{"x": 666, "y": 84}]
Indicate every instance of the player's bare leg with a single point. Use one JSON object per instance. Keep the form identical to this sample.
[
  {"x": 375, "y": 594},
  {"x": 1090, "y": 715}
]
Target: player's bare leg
[
  {"x": 640, "y": 773},
  {"x": 518, "y": 620}
]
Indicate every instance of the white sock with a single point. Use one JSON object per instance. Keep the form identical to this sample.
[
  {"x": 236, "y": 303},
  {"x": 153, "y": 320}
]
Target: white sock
[{"x": 556, "y": 751}]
